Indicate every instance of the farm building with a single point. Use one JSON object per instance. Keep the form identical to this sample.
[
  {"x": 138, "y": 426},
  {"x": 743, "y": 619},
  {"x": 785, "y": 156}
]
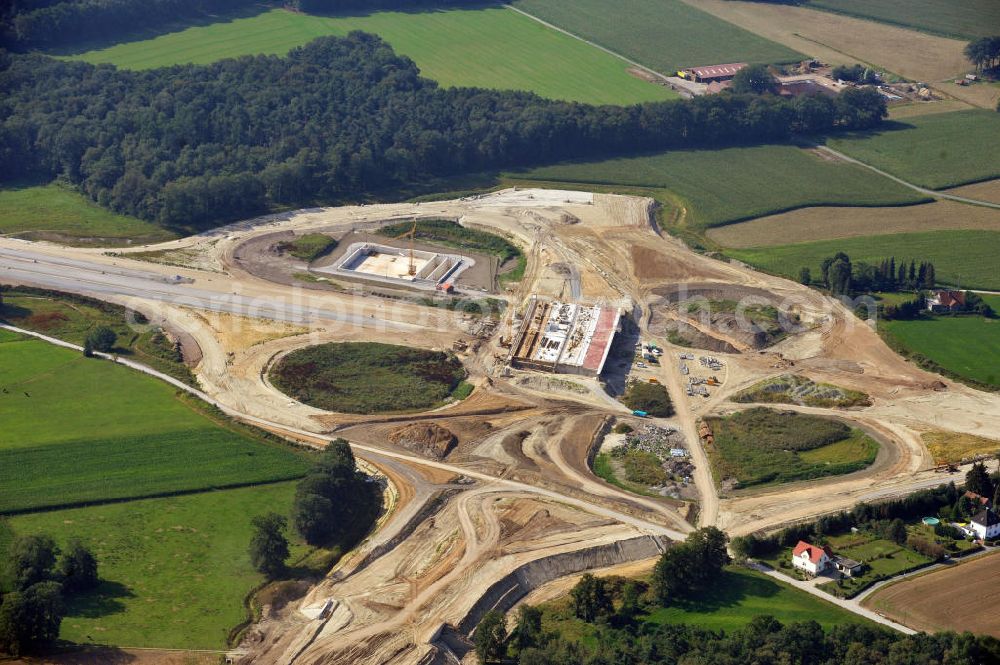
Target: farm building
[
  {"x": 712, "y": 73},
  {"x": 946, "y": 301},
  {"x": 565, "y": 338},
  {"x": 986, "y": 525}
]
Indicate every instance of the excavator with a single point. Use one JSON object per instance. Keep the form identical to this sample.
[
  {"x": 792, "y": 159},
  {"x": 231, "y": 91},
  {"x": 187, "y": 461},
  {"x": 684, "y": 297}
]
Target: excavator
[{"x": 412, "y": 270}]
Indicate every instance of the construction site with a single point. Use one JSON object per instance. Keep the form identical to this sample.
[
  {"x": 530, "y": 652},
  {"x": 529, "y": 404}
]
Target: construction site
[
  {"x": 564, "y": 338},
  {"x": 419, "y": 268},
  {"x": 491, "y": 498}
]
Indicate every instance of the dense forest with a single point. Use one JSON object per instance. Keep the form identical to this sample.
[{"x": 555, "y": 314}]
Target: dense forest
[
  {"x": 201, "y": 144},
  {"x": 764, "y": 641}
]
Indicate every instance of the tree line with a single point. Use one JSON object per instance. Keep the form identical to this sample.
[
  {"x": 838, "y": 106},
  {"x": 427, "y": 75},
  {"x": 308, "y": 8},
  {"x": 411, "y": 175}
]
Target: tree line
[
  {"x": 984, "y": 52},
  {"x": 340, "y": 117},
  {"x": 843, "y": 277}
]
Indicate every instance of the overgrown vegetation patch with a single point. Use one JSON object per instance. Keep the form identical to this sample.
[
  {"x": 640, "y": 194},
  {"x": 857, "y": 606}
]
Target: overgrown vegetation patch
[
  {"x": 368, "y": 377},
  {"x": 452, "y": 234},
  {"x": 796, "y": 389},
  {"x": 649, "y": 397},
  {"x": 308, "y": 247},
  {"x": 763, "y": 446}
]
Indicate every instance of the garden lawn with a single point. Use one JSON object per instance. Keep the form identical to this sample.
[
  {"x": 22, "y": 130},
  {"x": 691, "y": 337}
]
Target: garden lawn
[
  {"x": 733, "y": 184},
  {"x": 744, "y": 594},
  {"x": 961, "y": 258},
  {"x": 934, "y": 151},
  {"x": 175, "y": 570},
  {"x": 662, "y": 34},
  {"x": 964, "y": 20},
  {"x": 969, "y": 346},
  {"x": 739, "y": 596},
  {"x": 76, "y": 430},
  {"x": 490, "y": 47},
  {"x": 37, "y": 209}
]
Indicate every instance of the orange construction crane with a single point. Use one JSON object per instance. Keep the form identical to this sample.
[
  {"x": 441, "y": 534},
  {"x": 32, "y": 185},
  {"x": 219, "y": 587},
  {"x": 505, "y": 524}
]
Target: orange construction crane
[{"x": 410, "y": 234}]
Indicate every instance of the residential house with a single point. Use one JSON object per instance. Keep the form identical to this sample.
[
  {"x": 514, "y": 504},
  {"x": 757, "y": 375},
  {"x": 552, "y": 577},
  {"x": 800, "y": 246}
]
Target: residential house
[
  {"x": 986, "y": 525},
  {"x": 810, "y": 558}
]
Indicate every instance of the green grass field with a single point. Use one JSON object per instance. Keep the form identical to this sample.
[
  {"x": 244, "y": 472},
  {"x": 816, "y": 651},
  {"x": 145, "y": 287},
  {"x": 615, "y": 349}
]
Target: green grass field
[
  {"x": 39, "y": 210},
  {"x": 175, "y": 569},
  {"x": 661, "y": 34},
  {"x": 934, "y": 151},
  {"x": 739, "y": 596},
  {"x": 723, "y": 186},
  {"x": 75, "y": 430},
  {"x": 968, "y": 346},
  {"x": 966, "y": 20},
  {"x": 490, "y": 48},
  {"x": 961, "y": 258}
]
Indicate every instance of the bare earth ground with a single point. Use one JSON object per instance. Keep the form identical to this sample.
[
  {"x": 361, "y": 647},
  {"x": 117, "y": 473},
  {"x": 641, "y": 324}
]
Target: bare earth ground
[
  {"x": 958, "y": 598},
  {"x": 515, "y": 495},
  {"x": 809, "y": 224},
  {"x": 986, "y": 191},
  {"x": 837, "y": 39}
]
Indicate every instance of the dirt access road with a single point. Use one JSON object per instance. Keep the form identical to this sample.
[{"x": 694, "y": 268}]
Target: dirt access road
[{"x": 513, "y": 506}]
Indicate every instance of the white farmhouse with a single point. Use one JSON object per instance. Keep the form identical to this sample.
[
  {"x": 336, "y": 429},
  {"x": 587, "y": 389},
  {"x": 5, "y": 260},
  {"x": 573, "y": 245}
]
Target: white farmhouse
[
  {"x": 986, "y": 525},
  {"x": 810, "y": 558}
]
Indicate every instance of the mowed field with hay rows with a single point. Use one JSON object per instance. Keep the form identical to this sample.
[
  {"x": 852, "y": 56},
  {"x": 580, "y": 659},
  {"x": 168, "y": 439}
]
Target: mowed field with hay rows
[
  {"x": 174, "y": 570},
  {"x": 823, "y": 223},
  {"x": 961, "y": 258},
  {"x": 939, "y": 600},
  {"x": 489, "y": 47},
  {"x": 81, "y": 430},
  {"x": 968, "y": 19},
  {"x": 52, "y": 211},
  {"x": 934, "y": 151},
  {"x": 661, "y": 34},
  {"x": 732, "y": 184}
]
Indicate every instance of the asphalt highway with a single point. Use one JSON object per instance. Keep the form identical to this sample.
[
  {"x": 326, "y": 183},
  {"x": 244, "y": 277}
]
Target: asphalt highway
[{"x": 99, "y": 279}]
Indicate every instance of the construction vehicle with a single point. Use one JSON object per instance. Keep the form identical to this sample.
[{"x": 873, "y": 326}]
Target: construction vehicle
[
  {"x": 945, "y": 467},
  {"x": 411, "y": 234}
]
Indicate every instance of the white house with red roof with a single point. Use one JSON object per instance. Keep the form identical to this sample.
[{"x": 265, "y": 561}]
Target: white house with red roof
[{"x": 810, "y": 558}]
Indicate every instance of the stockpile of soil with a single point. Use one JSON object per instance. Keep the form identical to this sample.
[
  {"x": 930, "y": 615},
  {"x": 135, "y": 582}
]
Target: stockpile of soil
[{"x": 428, "y": 439}]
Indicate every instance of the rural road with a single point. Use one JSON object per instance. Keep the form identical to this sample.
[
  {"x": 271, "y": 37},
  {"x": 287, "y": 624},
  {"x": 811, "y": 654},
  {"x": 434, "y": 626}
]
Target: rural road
[{"x": 923, "y": 190}]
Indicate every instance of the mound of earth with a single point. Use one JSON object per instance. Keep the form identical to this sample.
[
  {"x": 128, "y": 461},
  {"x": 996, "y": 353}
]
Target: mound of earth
[
  {"x": 428, "y": 439},
  {"x": 715, "y": 317}
]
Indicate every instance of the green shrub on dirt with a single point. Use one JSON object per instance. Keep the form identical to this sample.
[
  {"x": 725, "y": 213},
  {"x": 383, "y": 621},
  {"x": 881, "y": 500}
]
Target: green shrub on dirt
[
  {"x": 368, "y": 377},
  {"x": 649, "y": 397},
  {"x": 308, "y": 247}
]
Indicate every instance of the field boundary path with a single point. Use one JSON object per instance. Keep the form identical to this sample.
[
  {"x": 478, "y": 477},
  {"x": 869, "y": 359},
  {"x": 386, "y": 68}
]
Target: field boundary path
[
  {"x": 923, "y": 190},
  {"x": 850, "y": 605},
  {"x": 660, "y": 75},
  {"x": 298, "y": 434}
]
